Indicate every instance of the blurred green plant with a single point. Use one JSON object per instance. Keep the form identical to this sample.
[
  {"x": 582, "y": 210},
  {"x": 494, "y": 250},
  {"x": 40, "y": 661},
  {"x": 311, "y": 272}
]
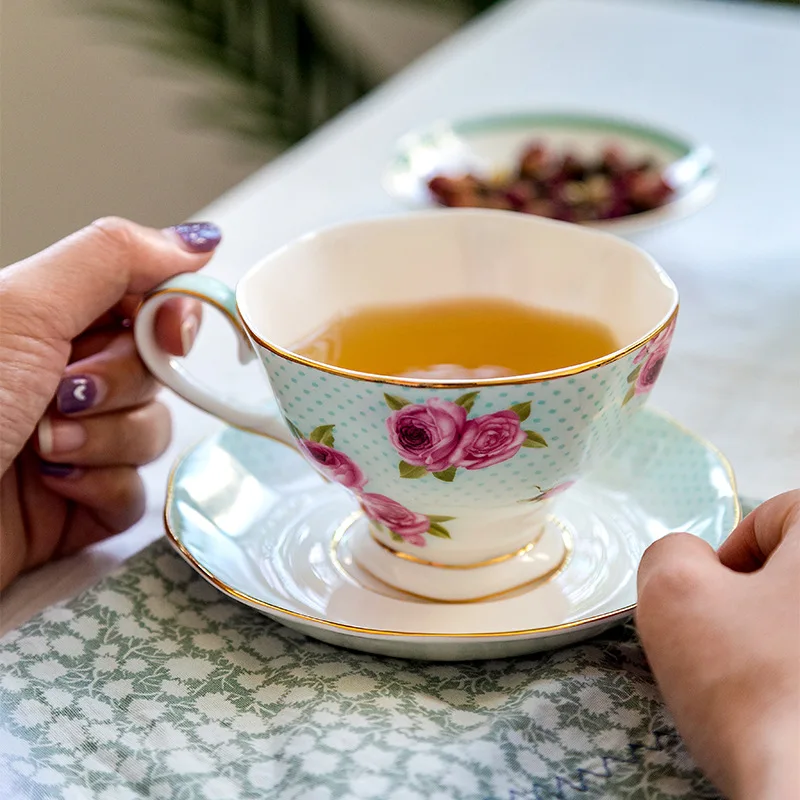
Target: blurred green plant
[{"x": 289, "y": 69}]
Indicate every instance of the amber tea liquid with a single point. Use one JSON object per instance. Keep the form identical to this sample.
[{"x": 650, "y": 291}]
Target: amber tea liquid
[{"x": 457, "y": 339}]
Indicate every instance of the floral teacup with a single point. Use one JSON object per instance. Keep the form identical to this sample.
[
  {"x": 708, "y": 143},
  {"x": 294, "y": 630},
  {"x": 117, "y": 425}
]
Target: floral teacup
[{"x": 456, "y": 477}]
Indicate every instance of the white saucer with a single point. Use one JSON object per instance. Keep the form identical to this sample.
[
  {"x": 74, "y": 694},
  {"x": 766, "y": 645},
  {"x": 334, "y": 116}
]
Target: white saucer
[{"x": 259, "y": 524}]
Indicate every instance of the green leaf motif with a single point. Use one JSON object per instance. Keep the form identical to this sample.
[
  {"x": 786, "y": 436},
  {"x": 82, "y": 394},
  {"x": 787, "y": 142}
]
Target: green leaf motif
[
  {"x": 446, "y": 475},
  {"x": 466, "y": 401},
  {"x": 535, "y": 499},
  {"x": 522, "y": 410},
  {"x": 395, "y": 537},
  {"x": 322, "y": 434},
  {"x": 628, "y": 397},
  {"x": 294, "y": 429},
  {"x": 635, "y": 374},
  {"x": 439, "y": 518},
  {"x": 438, "y": 530},
  {"x": 394, "y": 402},
  {"x": 410, "y": 471},
  {"x": 534, "y": 440}
]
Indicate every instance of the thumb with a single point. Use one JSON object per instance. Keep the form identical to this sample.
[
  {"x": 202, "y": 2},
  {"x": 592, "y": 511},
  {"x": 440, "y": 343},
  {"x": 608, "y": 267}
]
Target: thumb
[
  {"x": 675, "y": 574},
  {"x": 76, "y": 280},
  {"x": 678, "y": 558}
]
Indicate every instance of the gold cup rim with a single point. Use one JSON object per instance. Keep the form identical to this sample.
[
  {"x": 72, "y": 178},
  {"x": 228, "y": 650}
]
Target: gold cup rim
[{"x": 421, "y": 383}]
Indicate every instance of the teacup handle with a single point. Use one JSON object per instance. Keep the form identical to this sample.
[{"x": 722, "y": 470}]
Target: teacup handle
[{"x": 169, "y": 370}]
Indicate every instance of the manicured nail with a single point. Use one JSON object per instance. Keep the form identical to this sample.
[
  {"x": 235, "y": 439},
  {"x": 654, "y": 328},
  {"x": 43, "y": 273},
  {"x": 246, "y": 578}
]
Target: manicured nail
[
  {"x": 189, "y": 329},
  {"x": 78, "y": 393},
  {"x": 60, "y": 436},
  {"x": 58, "y": 470},
  {"x": 198, "y": 237}
]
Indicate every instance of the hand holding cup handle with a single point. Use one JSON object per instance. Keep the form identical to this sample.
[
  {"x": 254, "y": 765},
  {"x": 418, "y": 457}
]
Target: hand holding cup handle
[
  {"x": 435, "y": 464},
  {"x": 169, "y": 370}
]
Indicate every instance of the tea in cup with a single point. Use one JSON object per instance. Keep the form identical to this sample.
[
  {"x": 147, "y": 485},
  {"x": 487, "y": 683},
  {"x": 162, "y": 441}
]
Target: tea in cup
[{"x": 454, "y": 370}]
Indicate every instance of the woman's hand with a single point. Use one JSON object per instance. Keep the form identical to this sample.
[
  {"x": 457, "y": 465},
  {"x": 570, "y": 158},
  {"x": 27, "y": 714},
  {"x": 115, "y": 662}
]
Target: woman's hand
[
  {"x": 722, "y": 634},
  {"x": 78, "y": 413}
]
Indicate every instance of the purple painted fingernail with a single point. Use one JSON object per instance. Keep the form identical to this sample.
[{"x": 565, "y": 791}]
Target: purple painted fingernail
[
  {"x": 77, "y": 393},
  {"x": 198, "y": 237},
  {"x": 52, "y": 470}
]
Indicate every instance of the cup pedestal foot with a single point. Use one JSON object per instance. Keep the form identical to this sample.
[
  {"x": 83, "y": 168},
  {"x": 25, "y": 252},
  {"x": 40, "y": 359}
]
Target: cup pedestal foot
[{"x": 543, "y": 556}]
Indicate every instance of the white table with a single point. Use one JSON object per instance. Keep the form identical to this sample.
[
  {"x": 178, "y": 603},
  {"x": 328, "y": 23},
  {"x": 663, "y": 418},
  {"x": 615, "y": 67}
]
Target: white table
[{"x": 725, "y": 74}]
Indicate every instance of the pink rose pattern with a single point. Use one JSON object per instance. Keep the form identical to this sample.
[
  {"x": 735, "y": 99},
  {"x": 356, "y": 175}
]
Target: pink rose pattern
[
  {"x": 489, "y": 440},
  {"x": 546, "y": 494},
  {"x": 562, "y": 487},
  {"x": 649, "y": 361},
  {"x": 402, "y": 524},
  {"x": 408, "y": 525},
  {"x": 436, "y": 437},
  {"x": 334, "y": 465},
  {"x": 425, "y": 435}
]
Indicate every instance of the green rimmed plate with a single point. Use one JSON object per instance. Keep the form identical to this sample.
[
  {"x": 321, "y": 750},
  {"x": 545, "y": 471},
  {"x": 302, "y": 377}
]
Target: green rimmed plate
[{"x": 491, "y": 145}]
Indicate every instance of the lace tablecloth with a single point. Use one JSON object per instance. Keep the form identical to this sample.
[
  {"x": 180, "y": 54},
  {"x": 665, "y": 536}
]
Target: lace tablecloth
[{"x": 154, "y": 685}]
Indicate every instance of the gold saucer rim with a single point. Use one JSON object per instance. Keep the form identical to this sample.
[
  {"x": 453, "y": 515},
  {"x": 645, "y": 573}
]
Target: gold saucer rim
[{"x": 317, "y": 622}]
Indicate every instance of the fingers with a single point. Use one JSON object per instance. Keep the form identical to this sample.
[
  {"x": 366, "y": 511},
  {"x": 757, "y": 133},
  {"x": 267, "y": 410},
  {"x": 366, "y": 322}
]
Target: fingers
[
  {"x": 74, "y": 282},
  {"x": 676, "y": 562},
  {"x": 674, "y": 572},
  {"x": 111, "y": 379},
  {"x": 109, "y": 500},
  {"x": 177, "y": 324},
  {"x": 92, "y": 342},
  {"x": 14, "y": 551},
  {"x": 761, "y": 532},
  {"x": 87, "y": 527},
  {"x": 121, "y": 314},
  {"x": 131, "y": 437}
]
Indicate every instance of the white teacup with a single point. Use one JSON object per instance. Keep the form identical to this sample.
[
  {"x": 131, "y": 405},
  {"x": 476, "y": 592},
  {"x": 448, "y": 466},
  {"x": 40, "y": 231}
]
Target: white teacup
[{"x": 456, "y": 476}]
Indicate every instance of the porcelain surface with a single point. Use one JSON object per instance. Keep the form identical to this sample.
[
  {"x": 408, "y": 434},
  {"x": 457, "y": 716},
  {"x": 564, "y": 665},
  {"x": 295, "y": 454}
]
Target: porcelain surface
[
  {"x": 436, "y": 464},
  {"x": 254, "y": 519}
]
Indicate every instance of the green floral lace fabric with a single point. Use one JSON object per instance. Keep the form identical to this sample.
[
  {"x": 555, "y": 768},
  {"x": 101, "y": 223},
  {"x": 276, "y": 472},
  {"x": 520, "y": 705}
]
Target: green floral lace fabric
[{"x": 154, "y": 685}]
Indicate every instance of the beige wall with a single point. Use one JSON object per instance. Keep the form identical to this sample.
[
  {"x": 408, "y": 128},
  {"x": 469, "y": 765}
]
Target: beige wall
[{"x": 93, "y": 125}]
